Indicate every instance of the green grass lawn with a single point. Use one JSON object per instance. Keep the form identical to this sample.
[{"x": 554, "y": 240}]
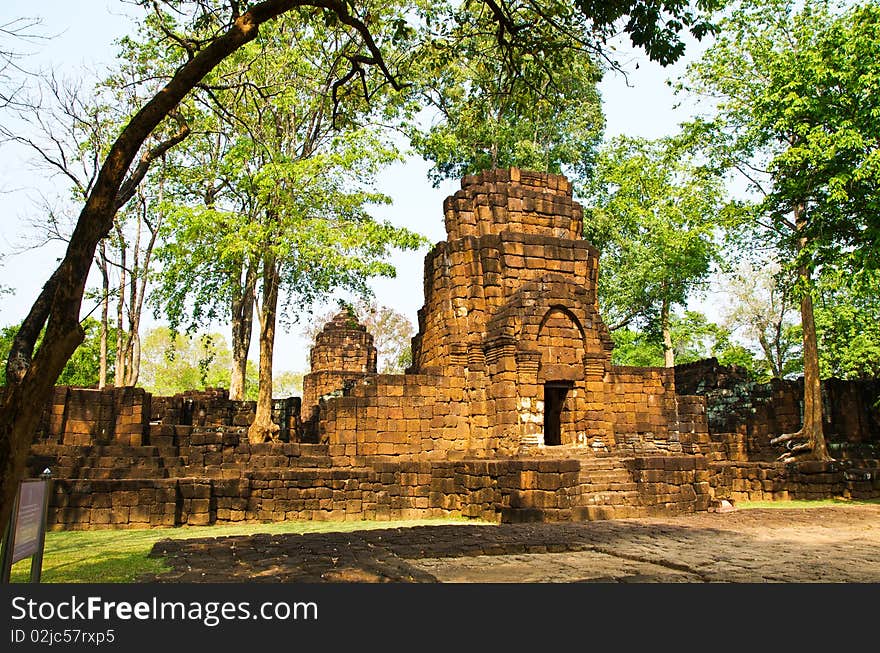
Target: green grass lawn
[
  {"x": 806, "y": 503},
  {"x": 120, "y": 556}
]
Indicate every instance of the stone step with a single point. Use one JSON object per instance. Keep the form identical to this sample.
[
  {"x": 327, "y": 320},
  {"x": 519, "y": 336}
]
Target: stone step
[
  {"x": 608, "y": 487},
  {"x": 604, "y": 475},
  {"x": 111, "y": 473},
  {"x": 620, "y": 498}
]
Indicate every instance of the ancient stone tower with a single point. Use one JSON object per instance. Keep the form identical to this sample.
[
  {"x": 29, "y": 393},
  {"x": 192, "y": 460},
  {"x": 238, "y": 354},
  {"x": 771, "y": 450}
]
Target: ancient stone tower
[
  {"x": 511, "y": 352},
  {"x": 343, "y": 352},
  {"x": 510, "y": 304}
]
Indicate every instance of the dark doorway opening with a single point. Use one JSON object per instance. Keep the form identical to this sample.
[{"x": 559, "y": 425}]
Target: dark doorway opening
[{"x": 554, "y": 399}]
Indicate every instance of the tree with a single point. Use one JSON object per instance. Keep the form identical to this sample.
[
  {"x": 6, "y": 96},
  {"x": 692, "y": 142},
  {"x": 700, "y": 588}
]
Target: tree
[
  {"x": 31, "y": 371},
  {"x": 203, "y": 278},
  {"x": 392, "y": 336},
  {"x": 489, "y": 114},
  {"x": 301, "y": 189},
  {"x": 288, "y": 384},
  {"x": 392, "y": 332},
  {"x": 174, "y": 362},
  {"x": 72, "y": 124},
  {"x": 14, "y": 32},
  {"x": 848, "y": 324},
  {"x": 653, "y": 216},
  {"x": 693, "y": 337},
  {"x": 797, "y": 114},
  {"x": 761, "y": 308},
  {"x": 274, "y": 145}
]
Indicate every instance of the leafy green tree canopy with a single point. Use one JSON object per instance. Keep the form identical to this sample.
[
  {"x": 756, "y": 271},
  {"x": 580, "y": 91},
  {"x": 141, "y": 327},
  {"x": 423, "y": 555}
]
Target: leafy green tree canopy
[
  {"x": 694, "y": 338},
  {"x": 653, "y": 218},
  {"x": 794, "y": 86},
  {"x": 488, "y": 115},
  {"x": 848, "y": 324}
]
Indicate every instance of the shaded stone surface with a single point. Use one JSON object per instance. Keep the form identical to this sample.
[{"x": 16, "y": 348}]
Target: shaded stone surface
[{"x": 835, "y": 544}]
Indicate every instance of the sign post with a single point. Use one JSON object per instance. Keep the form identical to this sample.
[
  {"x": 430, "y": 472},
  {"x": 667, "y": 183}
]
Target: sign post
[{"x": 25, "y": 534}]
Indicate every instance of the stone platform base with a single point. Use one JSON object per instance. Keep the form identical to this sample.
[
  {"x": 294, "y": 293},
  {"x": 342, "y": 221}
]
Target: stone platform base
[{"x": 276, "y": 482}]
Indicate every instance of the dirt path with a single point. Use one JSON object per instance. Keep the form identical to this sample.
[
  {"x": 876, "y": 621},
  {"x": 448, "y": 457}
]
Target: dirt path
[{"x": 839, "y": 544}]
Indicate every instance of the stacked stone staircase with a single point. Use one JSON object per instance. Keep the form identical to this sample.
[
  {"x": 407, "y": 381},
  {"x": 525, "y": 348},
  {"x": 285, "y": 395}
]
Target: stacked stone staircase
[{"x": 607, "y": 488}]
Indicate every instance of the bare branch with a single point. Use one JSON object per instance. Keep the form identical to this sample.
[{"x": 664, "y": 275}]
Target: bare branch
[{"x": 126, "y": 191}]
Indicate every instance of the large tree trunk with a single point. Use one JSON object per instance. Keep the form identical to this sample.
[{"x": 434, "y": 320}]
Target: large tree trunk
[
  {"x": 242, "y": 324},
  {"x": 263, "y": 428},
  {"x": 811, "y": 435},
  {"x": 668, "y": 349},
  {"x": 31, "y": 376}
]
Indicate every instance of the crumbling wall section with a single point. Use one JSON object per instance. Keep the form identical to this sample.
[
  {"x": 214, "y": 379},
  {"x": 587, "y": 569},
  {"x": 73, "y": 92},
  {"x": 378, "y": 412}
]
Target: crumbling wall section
[
  {"x": 409, "y": 415},
  {"x": 82, "y": 416},
  {"x": 744, "y": 416}
]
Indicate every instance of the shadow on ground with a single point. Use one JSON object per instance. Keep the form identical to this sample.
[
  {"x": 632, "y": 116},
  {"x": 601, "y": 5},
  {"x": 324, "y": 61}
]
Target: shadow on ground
[{"x": 839, "y": 544}]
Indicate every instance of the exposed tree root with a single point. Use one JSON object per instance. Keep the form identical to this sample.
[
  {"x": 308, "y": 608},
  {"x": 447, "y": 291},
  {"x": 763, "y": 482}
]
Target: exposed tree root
[
  {"x": 788, "y": 437},
  {"x": 798, "y": 447},
  {"x": 261, "y": 432}
]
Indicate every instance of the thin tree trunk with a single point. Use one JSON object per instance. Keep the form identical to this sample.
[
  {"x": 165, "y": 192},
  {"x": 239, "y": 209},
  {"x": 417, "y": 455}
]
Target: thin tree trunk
[
  {"x": 242, "y": 324},
  {"x": 135, "y": 370},
  {"x": 263, "y": 428},
  {"x": 105, "y": 315},
  {"x": 139, "y": 288},
  {"x": 133, "y": 312},
  {"x": 121, "y": 343},
  {"x": 772, "y": 353},
  {"x": 668, "y": 349}
]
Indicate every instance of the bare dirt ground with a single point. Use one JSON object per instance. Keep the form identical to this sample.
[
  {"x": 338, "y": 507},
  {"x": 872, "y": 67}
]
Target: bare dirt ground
[{"x": 833, "y": 544}]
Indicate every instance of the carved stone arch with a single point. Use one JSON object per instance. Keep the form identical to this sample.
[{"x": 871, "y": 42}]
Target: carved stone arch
[
  {"x": 564, "y": 310},
  {"x": 562, "y": 346},
  {"x": 520, "y": 320}
]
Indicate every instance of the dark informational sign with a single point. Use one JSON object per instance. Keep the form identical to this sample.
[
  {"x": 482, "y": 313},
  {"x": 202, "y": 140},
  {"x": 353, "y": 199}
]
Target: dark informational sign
[
  {"x": 25, "y": 534},
  {"x": 29, "y": 519}
]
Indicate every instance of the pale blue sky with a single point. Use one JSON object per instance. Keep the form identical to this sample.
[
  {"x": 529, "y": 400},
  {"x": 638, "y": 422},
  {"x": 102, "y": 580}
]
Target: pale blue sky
[{"x": 83, "y": 36}]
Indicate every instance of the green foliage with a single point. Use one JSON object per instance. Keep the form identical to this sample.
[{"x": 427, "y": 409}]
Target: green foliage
[
  {"x": 287, "y": 384},
  {"x": 513, "y": 83},
  {"x": 272, "y": 178},
  {"x": 847, "y": 312},
  {"x": 694, "y": 338},
  {"x": 83, "y": 368},
  {"x": 173, "y": 362},
  {"x": 653, "y": 217},
  {"x": 655, "y": 26},
  {"x": 494, "y": 115},
  {"x": 636, "y": 348},
  {"x": 797, "y": 112}
]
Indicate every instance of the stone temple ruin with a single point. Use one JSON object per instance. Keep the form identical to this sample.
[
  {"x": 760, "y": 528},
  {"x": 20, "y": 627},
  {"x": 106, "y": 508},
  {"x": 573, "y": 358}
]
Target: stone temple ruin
[{"x": 511, "y": 410}]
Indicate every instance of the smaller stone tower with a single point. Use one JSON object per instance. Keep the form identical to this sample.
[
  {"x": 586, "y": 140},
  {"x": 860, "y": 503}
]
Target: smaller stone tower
[{"x": 343, "y": 352}]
